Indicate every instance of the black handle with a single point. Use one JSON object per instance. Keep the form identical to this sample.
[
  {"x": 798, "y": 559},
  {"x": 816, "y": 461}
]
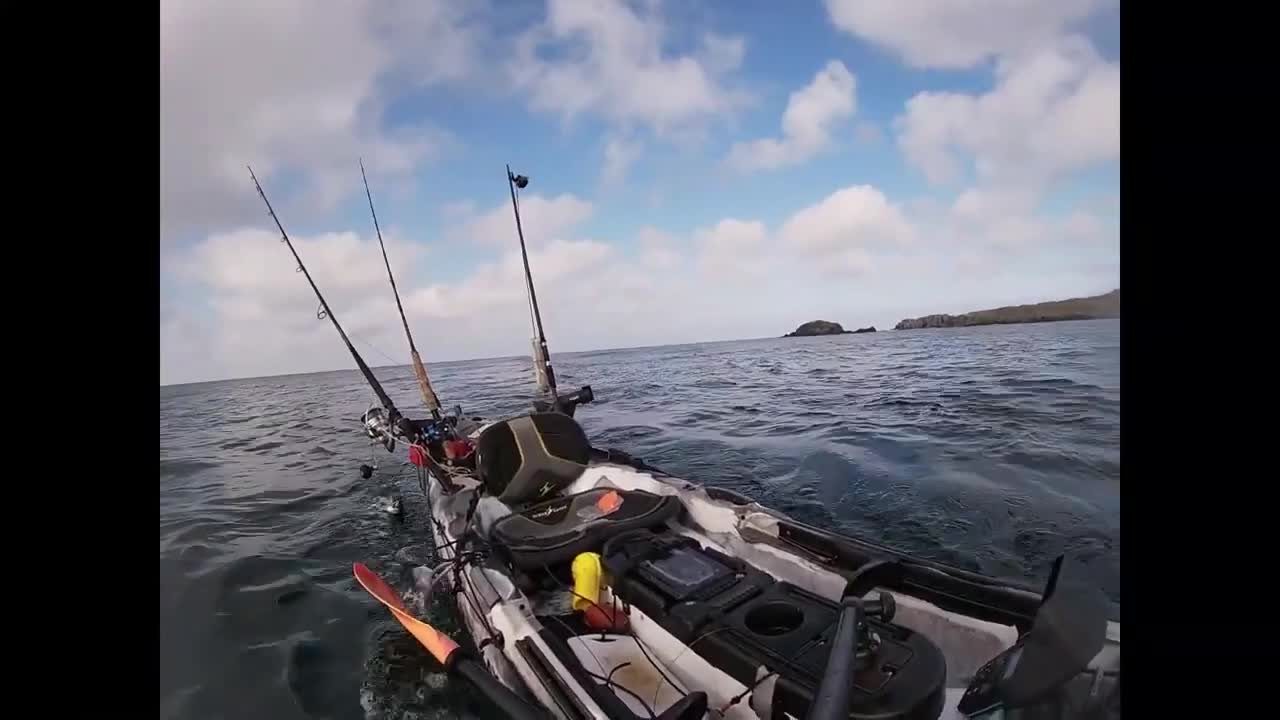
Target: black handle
[
  {"x": 831, "y": 702},
  {"x": 511, "y": 705}
]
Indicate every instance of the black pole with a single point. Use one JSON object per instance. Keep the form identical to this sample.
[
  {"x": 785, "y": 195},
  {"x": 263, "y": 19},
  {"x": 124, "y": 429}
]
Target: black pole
[
  {"x": 500, "y": 695},
  {"x": 393, "y": 414},
  {"x": 533, "y": 296},
  {"x": 831, "y": 701}
]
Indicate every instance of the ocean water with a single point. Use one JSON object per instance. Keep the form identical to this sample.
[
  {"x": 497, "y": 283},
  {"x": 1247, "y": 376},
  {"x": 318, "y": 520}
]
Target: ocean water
[{"x": 992, "y": 448}]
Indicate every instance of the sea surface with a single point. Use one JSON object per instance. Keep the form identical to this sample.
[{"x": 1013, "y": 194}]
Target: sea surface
[{"x": 992, "y": 448}]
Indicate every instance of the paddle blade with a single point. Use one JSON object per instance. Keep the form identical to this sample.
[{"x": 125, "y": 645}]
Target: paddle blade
[{"x": 437, "y": 643}]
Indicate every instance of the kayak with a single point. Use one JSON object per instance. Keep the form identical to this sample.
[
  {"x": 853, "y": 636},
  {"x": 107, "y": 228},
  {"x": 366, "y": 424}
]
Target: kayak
[{"x": 594, "y": 585}]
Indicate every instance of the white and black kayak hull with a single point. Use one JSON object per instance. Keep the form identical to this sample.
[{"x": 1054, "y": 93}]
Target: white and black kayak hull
[{"x": 518, "y": 636}]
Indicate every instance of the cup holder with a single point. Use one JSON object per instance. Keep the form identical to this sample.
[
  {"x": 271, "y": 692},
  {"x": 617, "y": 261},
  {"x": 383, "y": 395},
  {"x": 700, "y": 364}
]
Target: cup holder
[{"x": 773, "y": 619}]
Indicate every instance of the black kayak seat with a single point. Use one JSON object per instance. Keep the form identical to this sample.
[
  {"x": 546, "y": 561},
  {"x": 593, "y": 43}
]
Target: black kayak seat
[
  {"x": 557, "y": 530},
  {"x": 532, "y": 457}
]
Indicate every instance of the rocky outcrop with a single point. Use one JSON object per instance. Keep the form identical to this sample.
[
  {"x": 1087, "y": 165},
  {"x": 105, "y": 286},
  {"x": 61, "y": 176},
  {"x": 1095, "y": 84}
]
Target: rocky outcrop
[
  {"x": 859, "y": 331},
  {"x": 1086, "y": 308},
  {"x": 818, "y": 327}
]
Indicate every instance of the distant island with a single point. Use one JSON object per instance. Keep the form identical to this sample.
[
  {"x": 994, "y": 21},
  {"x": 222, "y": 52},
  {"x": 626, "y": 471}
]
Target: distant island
[
  {"x": 823, "y": 327},
  {"x": 1085, "y": 308}
]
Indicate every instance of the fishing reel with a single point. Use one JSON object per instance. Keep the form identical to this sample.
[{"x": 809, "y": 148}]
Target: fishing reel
[
  {"x": 569, "y": 403},
  {"x": 566, "y": 404},
  {"x": 378, "y": 428}
]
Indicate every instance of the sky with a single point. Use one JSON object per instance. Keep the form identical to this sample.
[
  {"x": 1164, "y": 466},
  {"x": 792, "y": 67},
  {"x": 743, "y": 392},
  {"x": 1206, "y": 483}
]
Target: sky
[{"x": 699, "y": 171}]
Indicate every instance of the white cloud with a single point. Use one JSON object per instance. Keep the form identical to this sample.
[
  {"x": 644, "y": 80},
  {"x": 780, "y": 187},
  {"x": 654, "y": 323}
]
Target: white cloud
[
  {"x": 1052, "y": 111},
  {"x": 722, "y": 281},
  {"x": 301, "y": 94},
  {"x": 259, "y": 315},
  {"x": 543, "y": 219},
  {"x": 253, "y": 260},
  {"x": 657, "y": 248},
  {"x": 262, "y": 316},
  {"x": 954, "y": 34},
  {"x": 619, "y": 155},
  {"x": 734, "y": 248},
  {"x": 722, "y": 53},
  {"x": 1007, "y": 220},
  {"x": 295, "y": 91},
  {"x": 610, "y": 60},
  {"x": 812, "y": 112},
  {"x": 1083, "y": 225},
  {"x": 845, "y": 233},
  {"x": 980, "y": 205},
  {"x": 502, "y": 284},
  {"x": 846, "y": 228}
]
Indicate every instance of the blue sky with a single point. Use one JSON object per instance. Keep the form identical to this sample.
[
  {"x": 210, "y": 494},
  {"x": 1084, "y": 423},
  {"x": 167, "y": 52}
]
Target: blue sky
[{"x": 699, "y": 171}]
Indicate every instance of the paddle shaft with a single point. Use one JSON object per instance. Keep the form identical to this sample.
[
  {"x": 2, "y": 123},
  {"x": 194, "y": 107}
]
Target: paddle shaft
[{"x": 503, "y": 697}]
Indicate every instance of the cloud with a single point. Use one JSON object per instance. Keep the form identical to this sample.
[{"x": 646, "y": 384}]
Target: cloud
[
  {"x": 502, "y": 284},
  {"x": 543, "y": 220},
  {"x": 608, "y": 58},
  {"x": 843, "y": 234},
  {"x": 1007, "y": 220},
  {"x": 811, "y": 114},
  {"x": 722, "y": 53},
  {"x": 619, "y": 155},
  {"x": 843, "y": 230},
  {"x": 720, "y": 281},
  {"x": 734, "y": 248},
  {"x": 657, "y": 248},
  {"x": 980, "y": 205},
  {"x": 302, "y": 94},
  {"x": 955, "y": 35},
  {"x": 1053, "y": 111},
  {"x": 296, "y": 93},
  {"x": 254, "y": 264},
  {"x": 258, "y": 315}
]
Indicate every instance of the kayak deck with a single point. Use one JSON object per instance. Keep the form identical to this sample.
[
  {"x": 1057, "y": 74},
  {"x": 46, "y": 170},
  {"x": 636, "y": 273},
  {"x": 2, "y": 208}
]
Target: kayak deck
[{"x": 513, "y": 579}]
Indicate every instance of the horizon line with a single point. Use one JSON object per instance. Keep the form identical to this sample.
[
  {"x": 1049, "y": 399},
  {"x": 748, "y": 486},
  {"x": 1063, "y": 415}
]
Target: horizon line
[
  {"x": 459, "y": 360},
  {"x": 578, "y": 352}
]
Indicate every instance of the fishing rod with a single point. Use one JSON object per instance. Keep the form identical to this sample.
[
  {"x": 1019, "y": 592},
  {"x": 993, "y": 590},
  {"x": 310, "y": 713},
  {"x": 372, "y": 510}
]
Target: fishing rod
[
  {"x": 394, "y": 418},
  {"x": 568, "y": 403},
  {"x": 424, "y": 384},
  {"x": 544, "y": 357},
  {"x": 455, "y": 661}
]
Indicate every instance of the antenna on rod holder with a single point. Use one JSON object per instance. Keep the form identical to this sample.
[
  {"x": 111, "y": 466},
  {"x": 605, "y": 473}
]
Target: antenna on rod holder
[{"x": 542, "y": 358}]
